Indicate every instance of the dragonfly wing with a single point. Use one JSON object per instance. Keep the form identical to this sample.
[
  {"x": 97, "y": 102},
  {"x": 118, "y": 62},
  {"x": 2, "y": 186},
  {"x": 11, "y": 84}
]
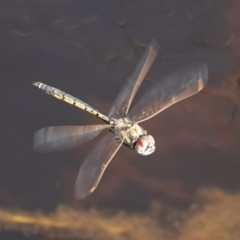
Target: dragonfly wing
[
  {"x": 172, "y": 89},
  {"x": 123, "y": 101},
  {"x": 61, "y": 138},
  {"x": 95, "y": 164}
]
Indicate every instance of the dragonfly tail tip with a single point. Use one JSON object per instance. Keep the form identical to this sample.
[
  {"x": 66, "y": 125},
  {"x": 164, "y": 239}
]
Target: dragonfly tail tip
[{"x": 37, "y": 84}]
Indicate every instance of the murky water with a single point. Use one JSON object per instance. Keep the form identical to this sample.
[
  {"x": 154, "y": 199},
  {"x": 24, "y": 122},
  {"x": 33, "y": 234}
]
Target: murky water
[{"x": 88, "y": 49}]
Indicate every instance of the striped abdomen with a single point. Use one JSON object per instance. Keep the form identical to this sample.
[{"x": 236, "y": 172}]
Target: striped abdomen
[{"x": 71, "y": 100}]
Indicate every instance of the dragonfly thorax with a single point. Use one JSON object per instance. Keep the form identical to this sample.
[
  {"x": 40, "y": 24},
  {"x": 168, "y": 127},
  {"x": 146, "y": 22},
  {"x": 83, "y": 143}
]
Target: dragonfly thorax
[{"x": 135, "y": 137}]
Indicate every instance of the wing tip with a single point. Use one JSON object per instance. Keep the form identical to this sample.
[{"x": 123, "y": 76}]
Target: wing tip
[
  {"x": 154, "y": 46},
  {"x": 203, "y": 79},
  {"x": 200, "y": 84},
  {"x": 82, "y": 194},
  {"x": 205, "y": 74}
]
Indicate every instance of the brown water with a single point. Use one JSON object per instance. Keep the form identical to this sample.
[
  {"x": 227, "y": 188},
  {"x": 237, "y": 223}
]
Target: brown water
[{"x": 88, "y": 49}]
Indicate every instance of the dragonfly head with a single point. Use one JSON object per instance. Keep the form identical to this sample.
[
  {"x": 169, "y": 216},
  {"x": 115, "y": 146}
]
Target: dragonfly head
[{"x": 145, "y": 145}]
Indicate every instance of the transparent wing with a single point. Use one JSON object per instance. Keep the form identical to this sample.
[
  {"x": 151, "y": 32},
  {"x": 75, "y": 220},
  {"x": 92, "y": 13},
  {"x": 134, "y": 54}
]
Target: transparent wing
[
  {"x": 95, "y": 164},
  {"x": 123, "y": 101},
  {"x": 61, "y": 138},
  {"x": 173, "y": 89}
]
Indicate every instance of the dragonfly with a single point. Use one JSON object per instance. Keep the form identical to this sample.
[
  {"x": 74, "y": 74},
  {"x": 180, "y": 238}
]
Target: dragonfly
[{"x": 121, "y": 122}]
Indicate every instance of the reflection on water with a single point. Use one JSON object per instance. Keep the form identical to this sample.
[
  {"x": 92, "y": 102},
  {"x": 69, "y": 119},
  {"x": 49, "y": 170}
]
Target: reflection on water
[{"x": 213, "y": 215}]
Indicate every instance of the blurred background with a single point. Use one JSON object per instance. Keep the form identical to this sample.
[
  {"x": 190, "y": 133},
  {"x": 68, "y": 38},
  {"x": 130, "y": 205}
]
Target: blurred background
[{"x": 189, "y": 187}]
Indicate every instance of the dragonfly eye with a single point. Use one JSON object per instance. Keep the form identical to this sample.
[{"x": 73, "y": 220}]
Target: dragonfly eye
[{"x": 145, "y": 145}]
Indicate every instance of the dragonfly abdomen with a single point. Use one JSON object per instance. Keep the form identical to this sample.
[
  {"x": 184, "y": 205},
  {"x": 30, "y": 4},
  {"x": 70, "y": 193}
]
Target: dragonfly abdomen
[{"x": 71, "y": 100}]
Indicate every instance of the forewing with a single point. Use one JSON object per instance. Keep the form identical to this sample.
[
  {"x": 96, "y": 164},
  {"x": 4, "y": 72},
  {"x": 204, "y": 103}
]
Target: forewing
[
  {"x": 61, "y": 138},
  {"x": 172, "y": 89},
  {"x": 95, "y": 164},
  {"x": 123, "y": 102}
]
